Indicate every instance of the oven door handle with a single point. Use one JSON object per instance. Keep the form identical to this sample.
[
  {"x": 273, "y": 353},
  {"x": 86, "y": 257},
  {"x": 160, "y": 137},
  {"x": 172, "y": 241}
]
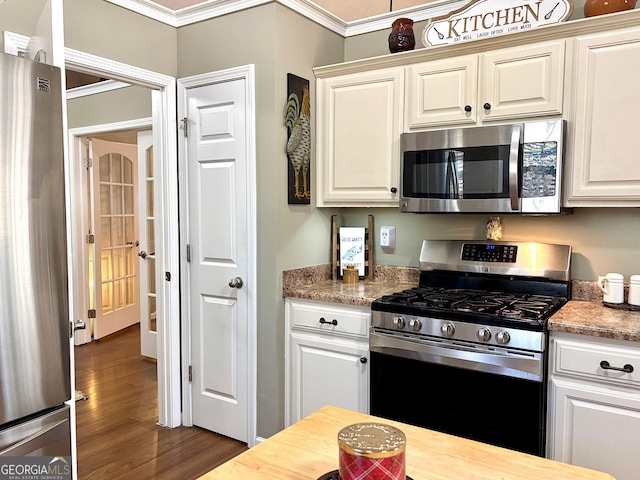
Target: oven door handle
[{"x": 525, "y": 365}]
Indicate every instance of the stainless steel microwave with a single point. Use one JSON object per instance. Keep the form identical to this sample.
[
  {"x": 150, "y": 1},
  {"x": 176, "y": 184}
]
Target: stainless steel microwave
[{"x": 514, "y": 168}]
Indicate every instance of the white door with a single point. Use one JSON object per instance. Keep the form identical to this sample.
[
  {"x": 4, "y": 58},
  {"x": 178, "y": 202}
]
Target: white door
[
  {"x": 147, "y": 248},
  {"x": 218, "y": 212},
  {"x": 115, "y": 264}
]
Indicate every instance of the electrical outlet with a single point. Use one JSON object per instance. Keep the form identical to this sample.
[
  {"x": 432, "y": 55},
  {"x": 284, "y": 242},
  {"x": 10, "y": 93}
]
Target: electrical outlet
[{"x": 388, "y": 237}]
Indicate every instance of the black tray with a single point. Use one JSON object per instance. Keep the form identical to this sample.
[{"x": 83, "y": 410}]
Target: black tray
[
  {"x": 622, "y": 306},
  {"x": 335, "y": 475}
]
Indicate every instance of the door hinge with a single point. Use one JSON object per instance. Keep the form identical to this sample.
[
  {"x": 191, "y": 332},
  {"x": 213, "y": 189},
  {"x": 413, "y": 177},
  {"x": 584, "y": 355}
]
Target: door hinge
[
  {"x": 188, "y": 253},
  {"x": 91, "y": 313},
  {"x": 88, "y": 163},
  {"x": 91, "y": 238},
  {"x": 185, "y": 126},
  {"x": 190, "y": 373},
  {"x": 167, "y": 276}
]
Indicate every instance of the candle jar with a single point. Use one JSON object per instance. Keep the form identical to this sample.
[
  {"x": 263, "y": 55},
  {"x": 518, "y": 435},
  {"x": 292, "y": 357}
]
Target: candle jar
[
  {"x": 350, "y": 275},
  {"x": 372, "y": 451},
  {"x": 401, "y": 37}
]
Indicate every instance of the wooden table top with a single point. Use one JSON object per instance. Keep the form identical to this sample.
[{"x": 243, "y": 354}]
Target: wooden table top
[{"x": 309, "y": 448}]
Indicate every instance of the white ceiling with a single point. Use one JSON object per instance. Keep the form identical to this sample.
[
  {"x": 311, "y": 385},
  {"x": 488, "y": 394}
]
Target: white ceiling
[{"x": 347, "y": 10}]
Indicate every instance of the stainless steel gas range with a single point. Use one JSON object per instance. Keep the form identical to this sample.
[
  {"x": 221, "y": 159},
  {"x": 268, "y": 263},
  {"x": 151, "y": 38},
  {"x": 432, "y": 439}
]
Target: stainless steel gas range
[{"x": 464, "y": 352}]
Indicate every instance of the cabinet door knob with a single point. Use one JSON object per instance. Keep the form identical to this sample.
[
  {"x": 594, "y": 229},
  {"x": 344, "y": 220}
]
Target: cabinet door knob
[
  {"x": 467, "y": 108},
  {"x": 394, "y": 189},
  {"x": 333, "y": 322},
  {"x": 627, "y": 368},
  {"x": 363, "y": 359},
  {"x": 487, "y": 106}
]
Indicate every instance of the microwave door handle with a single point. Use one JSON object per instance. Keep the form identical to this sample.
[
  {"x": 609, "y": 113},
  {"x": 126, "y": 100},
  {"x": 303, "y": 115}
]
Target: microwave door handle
[
  {"x": 516, "y": 133},
  {"x": 452, "y": 175}
]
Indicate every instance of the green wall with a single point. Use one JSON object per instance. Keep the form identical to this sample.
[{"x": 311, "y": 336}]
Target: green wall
[
  {"x": 130, "y": 103},
  {"x": 602, "y": 239},
  {"x": 107, "y": 30}
]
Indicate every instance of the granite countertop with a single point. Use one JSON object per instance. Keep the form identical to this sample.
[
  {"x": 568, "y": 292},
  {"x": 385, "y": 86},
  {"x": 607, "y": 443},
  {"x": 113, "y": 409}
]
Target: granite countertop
[
  {"x": 596, "y": 320},
  {"x": 315, "y": 283},
  {"x": 584, "y": 314}
]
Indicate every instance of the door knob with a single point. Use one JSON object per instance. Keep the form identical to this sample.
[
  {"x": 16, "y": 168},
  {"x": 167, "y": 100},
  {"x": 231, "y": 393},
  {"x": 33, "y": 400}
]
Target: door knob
[
  {"x": 236, "y": 282},
  {"x": 142, "y": 254}
]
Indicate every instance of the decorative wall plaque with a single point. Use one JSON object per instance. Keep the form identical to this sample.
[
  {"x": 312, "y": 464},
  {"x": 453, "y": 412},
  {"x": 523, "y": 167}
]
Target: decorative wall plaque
[{"x": 488, "y": 18}]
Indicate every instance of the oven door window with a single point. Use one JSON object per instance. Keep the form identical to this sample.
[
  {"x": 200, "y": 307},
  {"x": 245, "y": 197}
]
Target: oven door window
[
  {"x": 499, "y": 410},
  {"x": 470, "y": 172}
]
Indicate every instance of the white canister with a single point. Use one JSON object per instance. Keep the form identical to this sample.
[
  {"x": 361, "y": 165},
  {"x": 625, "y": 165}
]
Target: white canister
[
  {"x": 634, "y": 290},
  {"x": 612, "y": 284}
]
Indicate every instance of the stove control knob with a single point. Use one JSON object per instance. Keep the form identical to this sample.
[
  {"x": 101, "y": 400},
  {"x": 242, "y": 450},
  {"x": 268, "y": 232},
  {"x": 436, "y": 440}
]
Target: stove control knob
[
  {"x": 448, "y": 329},
  {"x": 503, "y": 337},
  {"x": 398, "y": 322},
  {"x": 414, "y": 324},
  {"x": 484, "y": 334}
]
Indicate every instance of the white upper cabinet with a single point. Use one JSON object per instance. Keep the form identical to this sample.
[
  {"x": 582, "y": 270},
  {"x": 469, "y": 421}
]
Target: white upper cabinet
[
  {"x": 604, "y": 171},
  {"x": 582, "y": 71},
  {"x": 510, "y": 83},
  {"x": 358, "y": 130}
]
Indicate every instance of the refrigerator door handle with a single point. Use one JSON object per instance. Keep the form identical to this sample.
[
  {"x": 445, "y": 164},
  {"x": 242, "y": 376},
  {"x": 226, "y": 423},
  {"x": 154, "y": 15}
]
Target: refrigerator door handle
[{"x": 44, "y": 437}]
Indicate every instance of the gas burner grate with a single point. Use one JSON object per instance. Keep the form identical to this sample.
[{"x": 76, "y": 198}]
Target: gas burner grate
[{"x": 514, "y": 306}]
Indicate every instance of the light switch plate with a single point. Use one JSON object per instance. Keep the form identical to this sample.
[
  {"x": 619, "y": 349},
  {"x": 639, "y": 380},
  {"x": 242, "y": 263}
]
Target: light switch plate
[{"x": 388, "y": 236}]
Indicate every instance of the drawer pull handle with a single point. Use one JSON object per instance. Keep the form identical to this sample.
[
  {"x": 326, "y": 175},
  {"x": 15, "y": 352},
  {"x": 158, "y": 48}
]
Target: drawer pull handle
[
  {"x": 333, "y": 322},
  {"x": 363, "y": 360},
  {"x": 607, "y": 366}
]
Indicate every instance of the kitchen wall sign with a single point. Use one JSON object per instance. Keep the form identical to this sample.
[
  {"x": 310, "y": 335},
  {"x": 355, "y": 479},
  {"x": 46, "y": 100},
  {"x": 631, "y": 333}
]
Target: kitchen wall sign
[
  {"x": 297, "y": 120},
  {"x": 488, "y": 18}
]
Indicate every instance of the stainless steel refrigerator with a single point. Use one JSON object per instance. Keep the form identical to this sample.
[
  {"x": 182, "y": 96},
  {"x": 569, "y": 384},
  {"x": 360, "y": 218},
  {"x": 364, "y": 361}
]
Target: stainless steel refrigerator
[{"x": 34, "y": 308}]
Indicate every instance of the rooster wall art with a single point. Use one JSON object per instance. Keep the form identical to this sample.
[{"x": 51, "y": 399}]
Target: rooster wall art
[{"x": 298, "y": 123}]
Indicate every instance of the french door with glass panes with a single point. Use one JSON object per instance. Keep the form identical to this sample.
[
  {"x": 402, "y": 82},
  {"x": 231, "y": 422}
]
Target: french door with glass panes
[
  {"x": 147, "y": 253},
  {"x": 115, "y": 251}
]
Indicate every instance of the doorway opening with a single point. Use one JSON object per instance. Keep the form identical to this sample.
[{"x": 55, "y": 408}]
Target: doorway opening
[
  {"x": 166, "y": 240},
  {"x": 118, "y": 216}
]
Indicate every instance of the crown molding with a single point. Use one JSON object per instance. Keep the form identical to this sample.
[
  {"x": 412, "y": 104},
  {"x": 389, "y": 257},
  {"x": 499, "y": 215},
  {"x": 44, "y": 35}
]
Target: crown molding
[
  {"x": 215, "y": 8},
  {"x": 417, "y": 13}
]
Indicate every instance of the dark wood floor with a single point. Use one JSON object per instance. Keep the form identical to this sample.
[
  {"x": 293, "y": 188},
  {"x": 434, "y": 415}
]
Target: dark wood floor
[{"x": 117, "y": 434}]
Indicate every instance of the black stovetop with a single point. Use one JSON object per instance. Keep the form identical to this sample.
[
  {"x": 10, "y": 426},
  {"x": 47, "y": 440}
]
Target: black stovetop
[{"x": 497, "y": 299}]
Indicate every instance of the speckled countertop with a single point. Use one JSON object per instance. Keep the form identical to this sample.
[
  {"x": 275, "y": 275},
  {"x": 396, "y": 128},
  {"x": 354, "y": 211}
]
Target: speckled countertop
[
  {"x": 314, "y": 283},
  {"x": 585, "y": 314}
]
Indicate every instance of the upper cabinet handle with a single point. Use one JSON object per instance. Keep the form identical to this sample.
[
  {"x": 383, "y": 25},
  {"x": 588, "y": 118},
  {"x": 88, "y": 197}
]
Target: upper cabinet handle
[
  {"x": 394, "y": 189},
  {"x": 467, "y": 108},
  {"x": 487, "y": 106}
]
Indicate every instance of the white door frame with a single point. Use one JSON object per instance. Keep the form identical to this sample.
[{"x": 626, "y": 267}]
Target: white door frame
[
  {"x": 164, "y": 128},
  {"x": 247, "y": 73}
]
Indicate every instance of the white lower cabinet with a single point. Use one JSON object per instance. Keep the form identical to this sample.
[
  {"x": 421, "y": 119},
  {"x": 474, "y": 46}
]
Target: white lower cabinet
[
  {"x": 594, "y": 412},
  {"x": 326, "y": 357}
]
